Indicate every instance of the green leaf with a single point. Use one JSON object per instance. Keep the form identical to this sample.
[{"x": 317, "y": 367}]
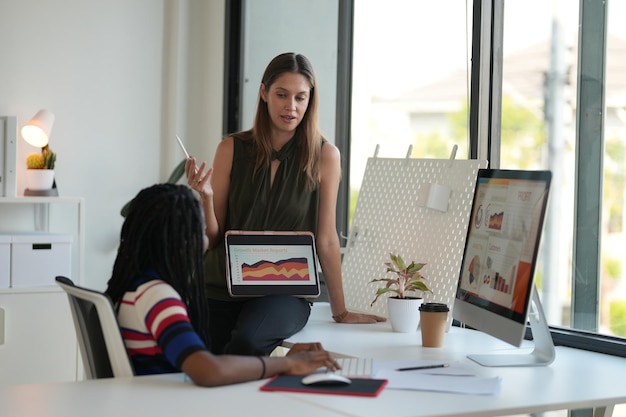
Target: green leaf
[
  {"x": 124, "y": 210},
  {"x": 413, "y": 268},
  {"x": 178, "y": 172},
  {"x": 382, "y": 291},
  {"x": 419, "y": 286}
]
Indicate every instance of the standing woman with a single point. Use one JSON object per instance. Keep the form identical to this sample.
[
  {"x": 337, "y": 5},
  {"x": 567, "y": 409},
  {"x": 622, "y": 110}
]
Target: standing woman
[{"x": 280, "y": 175}]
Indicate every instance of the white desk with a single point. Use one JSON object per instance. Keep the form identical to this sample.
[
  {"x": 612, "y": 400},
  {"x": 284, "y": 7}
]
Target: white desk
[
  {"x": 156, "y": 396},
  {"x": 577, "y": 379}
]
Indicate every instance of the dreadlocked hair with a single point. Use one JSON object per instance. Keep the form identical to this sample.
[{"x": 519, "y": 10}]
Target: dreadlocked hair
[{"x": 163, "y": 231}]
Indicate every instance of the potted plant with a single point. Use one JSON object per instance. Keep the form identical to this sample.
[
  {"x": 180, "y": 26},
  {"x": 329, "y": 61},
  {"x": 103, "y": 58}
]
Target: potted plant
[
  {"x": 40, "y": 172},
  {"x": 403, "y": 308}
]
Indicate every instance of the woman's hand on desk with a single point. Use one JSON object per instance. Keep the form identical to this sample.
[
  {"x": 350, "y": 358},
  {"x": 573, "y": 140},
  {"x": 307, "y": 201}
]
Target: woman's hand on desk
[
  {"x": 349, "y": 317},
  {"x": 303, "y": 347},
  {"x": 210, "y": 370},
  {"x": 305, "y": 358}
]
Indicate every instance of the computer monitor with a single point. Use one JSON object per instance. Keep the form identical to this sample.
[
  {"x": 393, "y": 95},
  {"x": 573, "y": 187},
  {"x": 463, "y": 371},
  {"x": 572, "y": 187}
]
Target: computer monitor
[{"x": 495, "y": 291}]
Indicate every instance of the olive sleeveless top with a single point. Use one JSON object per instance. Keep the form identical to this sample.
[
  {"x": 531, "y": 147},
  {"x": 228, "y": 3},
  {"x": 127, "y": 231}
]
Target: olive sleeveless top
[{"x": 255, "y": 204}]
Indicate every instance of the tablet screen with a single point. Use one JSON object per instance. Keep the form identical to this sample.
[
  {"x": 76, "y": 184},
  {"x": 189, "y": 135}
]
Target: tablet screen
[{"x": 264, "y": 263}]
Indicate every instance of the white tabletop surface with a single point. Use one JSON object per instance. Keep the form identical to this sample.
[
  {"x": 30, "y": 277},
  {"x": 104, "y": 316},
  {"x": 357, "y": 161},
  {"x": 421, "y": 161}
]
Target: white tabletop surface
[
  {"x": 170, "y": 395},
  {"x": 577, "y": 379}
]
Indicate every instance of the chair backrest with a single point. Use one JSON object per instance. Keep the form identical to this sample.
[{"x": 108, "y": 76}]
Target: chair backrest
[{"x": 99, "y": 337}]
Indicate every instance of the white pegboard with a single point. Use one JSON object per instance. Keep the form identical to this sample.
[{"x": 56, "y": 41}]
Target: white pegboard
[{"x": 391, "y": 216}]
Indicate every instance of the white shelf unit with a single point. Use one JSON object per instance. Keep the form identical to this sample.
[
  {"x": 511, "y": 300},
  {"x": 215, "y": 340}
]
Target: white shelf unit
[{"x": 37, "y": 336}]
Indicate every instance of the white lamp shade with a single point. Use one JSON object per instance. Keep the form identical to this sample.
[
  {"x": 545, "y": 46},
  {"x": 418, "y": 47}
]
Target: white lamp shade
[{"x": 37, "y": 131}]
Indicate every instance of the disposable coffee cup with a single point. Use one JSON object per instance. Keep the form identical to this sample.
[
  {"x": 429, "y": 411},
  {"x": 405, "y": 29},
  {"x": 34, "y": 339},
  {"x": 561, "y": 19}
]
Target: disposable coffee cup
[{"x": 433, "y": 320}]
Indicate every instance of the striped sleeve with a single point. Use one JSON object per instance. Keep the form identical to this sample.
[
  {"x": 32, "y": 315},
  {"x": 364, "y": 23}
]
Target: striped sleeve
[{"x": 164, "y": 318}]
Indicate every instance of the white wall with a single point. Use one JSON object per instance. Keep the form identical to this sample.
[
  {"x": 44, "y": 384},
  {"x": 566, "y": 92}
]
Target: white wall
[{"x": 115, "y": 74}]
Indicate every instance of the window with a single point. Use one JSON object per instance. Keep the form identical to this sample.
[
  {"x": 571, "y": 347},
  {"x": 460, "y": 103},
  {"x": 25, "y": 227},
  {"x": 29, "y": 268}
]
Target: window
[
  {"x": 538, "y": 129},
  {"x": 547, "y": 123},
  {"x": 410, "y": 81},
  {"x": 410, "y": 85}
]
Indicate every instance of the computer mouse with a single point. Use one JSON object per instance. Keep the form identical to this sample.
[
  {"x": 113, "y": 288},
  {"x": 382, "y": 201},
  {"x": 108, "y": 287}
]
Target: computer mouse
[{"x": 325, "y": 379}]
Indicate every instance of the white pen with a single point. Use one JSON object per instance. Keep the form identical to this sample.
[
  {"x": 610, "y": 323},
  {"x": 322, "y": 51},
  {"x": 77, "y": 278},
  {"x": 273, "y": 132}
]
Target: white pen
[{"x": 180, "y": 142}]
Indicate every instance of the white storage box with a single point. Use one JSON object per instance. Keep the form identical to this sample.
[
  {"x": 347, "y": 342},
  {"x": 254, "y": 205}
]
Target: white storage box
[
  {"x": 36, "y": 259},
  {"x": 5, "y": 261}
]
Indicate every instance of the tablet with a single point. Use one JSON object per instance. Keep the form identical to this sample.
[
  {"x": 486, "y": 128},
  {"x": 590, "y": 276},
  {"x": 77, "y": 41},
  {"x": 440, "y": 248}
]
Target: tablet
[{"x": 260, "y": 263}]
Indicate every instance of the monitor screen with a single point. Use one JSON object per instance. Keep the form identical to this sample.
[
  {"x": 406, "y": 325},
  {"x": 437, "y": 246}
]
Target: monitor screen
[{"x": 496, "y": 278}]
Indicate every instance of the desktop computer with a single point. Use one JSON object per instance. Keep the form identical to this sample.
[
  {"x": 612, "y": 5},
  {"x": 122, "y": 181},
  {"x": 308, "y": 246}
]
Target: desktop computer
[{"x": 496, "y": 292}]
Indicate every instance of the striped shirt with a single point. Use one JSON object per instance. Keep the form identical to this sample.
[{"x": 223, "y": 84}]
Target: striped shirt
[{"x": 156, "y": 328}]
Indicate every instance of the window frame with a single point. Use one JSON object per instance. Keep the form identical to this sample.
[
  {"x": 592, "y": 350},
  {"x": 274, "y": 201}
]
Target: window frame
[
  {"x": 484, "y": 128},
  {"x": 488, "y": 21}
]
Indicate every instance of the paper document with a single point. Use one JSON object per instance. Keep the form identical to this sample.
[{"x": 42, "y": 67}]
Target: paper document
[{"x": 455, "y": 377}]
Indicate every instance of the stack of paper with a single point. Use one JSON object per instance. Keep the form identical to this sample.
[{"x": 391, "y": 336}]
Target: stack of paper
[{"x": 429, "y": 376}]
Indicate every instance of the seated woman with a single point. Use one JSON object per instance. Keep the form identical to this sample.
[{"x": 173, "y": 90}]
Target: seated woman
[{"x": 157, "y": 288}]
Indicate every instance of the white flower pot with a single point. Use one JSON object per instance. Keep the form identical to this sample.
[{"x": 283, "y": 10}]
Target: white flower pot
[
  {"x": 39, "y": 179},
  {"x": 404, "y": 314}
]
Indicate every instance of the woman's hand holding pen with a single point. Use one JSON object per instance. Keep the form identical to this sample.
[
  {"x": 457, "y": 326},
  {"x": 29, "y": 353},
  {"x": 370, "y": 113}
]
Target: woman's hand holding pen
[{"x": 197, "y": 178}]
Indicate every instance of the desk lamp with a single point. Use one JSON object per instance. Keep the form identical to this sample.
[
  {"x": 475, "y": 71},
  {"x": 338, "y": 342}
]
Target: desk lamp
[{"x": 36, "y": 133}]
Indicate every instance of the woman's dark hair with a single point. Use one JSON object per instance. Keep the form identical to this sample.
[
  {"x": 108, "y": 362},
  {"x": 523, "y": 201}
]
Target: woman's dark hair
[
  {"x": 163, "y": 232},
  {"x": 308, "y": 132}
]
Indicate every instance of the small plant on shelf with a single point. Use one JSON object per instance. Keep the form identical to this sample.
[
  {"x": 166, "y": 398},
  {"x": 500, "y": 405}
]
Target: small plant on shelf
[
  {"x": 408, "y": 278},
  {"x": 41, "y": 160}
]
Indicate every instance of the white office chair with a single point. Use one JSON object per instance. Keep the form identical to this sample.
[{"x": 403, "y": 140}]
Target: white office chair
[{"x": 99, "y": 337}]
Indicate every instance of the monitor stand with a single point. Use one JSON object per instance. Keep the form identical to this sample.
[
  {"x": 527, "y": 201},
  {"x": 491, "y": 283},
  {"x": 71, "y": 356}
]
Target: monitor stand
[{"x": 542, "y": 354}]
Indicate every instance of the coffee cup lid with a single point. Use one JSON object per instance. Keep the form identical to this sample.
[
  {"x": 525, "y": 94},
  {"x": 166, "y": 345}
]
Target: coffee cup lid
[{"x": 436, "y": 307}]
